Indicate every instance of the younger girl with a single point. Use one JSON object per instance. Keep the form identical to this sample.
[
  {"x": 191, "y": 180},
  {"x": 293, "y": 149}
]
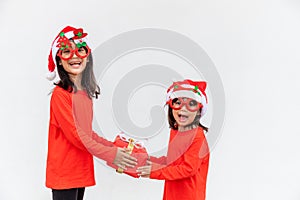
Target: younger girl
[
  {"x": 185, "y": 167},
  {"x": 72, "y": 142}
]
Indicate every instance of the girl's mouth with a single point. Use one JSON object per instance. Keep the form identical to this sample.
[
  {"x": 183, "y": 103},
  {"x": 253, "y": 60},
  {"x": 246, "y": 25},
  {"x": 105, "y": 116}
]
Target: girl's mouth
[
  {"x": 75, "y": 64},
  {"x": 182, "y": 118}
]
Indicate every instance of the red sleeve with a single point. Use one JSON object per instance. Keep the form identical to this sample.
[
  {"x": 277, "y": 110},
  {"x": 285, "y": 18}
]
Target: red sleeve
[
  {"x": 190, "y": 164},
  {"x": 61, "y": 106},
  {"x": 101, "y": 140},
  {"x": 161, "y": 160}
]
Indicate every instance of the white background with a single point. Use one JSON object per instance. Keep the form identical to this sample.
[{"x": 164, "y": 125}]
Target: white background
[{"x": 254, "y": 45}]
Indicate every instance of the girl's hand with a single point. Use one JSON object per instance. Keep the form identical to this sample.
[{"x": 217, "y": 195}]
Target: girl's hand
[
  {"x": 123, "y": 159},
  {"x": 145, "y": 171}
]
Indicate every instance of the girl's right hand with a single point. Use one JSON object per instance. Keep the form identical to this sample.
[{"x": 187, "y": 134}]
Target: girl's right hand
[
  {"x": 145, "y": 171},
  {"x": 124, "y": 160}
]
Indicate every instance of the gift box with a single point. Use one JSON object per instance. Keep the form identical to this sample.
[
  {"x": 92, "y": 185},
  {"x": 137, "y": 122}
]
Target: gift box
[{"x": 137, "y": 150}]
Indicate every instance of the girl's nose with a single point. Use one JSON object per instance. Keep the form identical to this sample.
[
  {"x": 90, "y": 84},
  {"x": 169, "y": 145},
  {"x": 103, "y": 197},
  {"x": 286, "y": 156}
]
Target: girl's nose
[
  {"x": 74, "y": 55},
  {"x": 183, "y": 107}
]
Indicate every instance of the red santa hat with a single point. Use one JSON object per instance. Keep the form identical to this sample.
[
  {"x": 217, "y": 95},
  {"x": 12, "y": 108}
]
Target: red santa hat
[
  {"x": 62, "y": 40},
  {"x": 190, "y": 89}
]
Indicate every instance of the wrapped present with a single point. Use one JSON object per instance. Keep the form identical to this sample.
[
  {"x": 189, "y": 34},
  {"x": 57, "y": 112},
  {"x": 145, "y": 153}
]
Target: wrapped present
[{"x": 136, "y": 149}]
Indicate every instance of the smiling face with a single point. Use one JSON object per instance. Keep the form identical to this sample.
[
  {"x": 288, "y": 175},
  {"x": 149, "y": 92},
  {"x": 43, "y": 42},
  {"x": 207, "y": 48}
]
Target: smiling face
[
  {"x": 75, "y": 65},
  {"x": 184, "y": 117}
]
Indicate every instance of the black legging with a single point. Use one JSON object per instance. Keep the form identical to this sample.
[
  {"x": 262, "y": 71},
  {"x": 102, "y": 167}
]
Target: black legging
[{"x": 68, "y": 194}]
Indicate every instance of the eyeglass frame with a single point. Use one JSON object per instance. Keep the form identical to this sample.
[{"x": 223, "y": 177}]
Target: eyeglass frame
[
  {"x": 184, "y": 103},
  {"x": 86, "y": 48}
]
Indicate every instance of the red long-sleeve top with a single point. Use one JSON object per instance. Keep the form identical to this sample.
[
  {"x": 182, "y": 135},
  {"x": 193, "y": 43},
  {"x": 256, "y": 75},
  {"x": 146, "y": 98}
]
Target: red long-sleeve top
[
  {"x": 72, "y": 142},
  {"x": 185, "y": 167}
]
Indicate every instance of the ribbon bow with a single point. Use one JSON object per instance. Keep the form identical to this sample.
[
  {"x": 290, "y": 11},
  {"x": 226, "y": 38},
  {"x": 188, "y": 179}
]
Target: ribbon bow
[
  {"x": 136, "y": 143},
  {"x": 82, "y": 44}
]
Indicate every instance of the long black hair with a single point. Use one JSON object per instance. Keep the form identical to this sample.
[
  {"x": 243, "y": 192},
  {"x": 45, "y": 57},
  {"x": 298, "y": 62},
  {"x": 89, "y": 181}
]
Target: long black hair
[{"x": 88, "y": 80}]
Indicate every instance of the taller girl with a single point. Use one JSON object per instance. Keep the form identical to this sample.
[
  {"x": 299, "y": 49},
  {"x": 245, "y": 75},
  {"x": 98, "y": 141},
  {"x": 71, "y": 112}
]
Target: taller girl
[{"x": 71, "y": 141}]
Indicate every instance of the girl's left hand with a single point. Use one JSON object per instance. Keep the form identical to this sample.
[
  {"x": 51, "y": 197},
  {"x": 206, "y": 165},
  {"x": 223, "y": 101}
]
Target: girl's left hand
[
  {"x": 124, "y": 160},
  {"x": 145, "y": 171}
]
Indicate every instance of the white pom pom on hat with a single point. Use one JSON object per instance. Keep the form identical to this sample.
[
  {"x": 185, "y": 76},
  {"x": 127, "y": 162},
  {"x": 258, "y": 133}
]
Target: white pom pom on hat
[{"x": 69, "y": 32}]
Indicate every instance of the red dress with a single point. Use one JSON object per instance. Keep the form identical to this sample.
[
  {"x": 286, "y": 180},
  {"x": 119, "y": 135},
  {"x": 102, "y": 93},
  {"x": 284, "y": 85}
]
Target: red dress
[
  {"x": 72, "y": 142},
  {"x": 185, "y": 167}
]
